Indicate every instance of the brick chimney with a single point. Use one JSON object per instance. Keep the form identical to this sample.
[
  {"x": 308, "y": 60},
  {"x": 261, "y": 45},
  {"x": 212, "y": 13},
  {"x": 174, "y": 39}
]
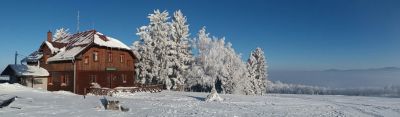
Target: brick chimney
[{"x": 49, "y": 36}]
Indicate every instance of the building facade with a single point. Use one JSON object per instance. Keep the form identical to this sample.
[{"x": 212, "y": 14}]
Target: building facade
[{"x": 76, "y": 61}]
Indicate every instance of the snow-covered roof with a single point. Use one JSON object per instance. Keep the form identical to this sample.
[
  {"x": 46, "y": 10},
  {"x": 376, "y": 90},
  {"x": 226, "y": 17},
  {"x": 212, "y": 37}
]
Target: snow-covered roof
[
  {"x": 78, "y": 42},
  {"x": 26, "y": 70},
  {"x": 51, "y": 47},
  {"x": 34, "y": 57},
  {"x": 103, "y": 40},
  {"x": 66, "y": 54}
]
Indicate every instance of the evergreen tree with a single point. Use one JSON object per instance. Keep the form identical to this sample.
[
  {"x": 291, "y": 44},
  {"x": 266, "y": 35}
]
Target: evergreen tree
[
  {"x": 179, "y": 49},
  {"x": 165, "y": 57},
  {"x": 145, "y": 49},
  {"x": 164, "y": 50},
  {"x": 160, "y": 31},
  {"x": 154, "y": 38},
  {"x": 257, "y": 68}
]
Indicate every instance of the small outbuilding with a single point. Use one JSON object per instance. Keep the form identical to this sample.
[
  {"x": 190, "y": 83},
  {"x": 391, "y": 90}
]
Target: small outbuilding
[{"x": 31, "y": 76}]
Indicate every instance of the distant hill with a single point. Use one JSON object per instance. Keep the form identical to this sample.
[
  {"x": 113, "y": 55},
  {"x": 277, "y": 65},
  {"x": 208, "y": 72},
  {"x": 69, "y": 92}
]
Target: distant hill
[
  {"x": 338, "y": 78},
  {"x": 371, "y": 69}
]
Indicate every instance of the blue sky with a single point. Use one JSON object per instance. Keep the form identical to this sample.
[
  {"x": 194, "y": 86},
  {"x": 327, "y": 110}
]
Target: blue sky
[{"x": 295, "y": 34}]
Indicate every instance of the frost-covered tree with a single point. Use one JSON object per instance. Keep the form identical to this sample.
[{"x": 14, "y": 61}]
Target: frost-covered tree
[
  {"x": 164, "y": 50},
  {"x": 196, "y": 78},
  {"x": 165, "y": 57},
  {"x": 159, "y": 30},
  {"x": 180, "y": 50},
  {"x": 204, "y": 72},
  {"x": 218, "y": 66},
  {"x": 61, "y": 33},
  {"x": 152, "y": 65},
  {"x": 146, "y": 62},
  {"x": 257, "y": 67}
]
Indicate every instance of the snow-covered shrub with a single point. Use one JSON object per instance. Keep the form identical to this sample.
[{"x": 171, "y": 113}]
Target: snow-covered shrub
[
  {"x": 213, "y": 96},
  {"x": 94, "y": 85}
]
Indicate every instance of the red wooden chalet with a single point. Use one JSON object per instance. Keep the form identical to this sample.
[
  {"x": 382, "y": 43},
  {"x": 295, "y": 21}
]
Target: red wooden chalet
[{"x": 76, "y": 61}]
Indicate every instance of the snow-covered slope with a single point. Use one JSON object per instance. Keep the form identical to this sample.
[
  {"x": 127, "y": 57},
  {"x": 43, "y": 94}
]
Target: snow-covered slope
[{"x": 37, "y": 103}]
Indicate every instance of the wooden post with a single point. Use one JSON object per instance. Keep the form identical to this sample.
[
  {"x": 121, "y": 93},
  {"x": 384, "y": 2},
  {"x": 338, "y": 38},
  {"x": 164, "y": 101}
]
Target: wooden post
[
  {"x": 32, "y": 82},
  {"x": 74, "y": 62},
  {"x": 84, "y": 91}
]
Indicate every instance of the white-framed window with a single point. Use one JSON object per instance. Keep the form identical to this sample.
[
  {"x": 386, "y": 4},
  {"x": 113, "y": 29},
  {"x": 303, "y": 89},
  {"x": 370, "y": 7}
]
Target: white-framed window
[
  {"x": 64, "y": 80},
  {"x": 109, "y": 57},
  {"x": 95, "y": 56},
  {"x": 93, "y": 78},
  {"x": 50, "y": 81},
  {"x": 121, "y": 58},
  {"x": 86, "y": 60}
]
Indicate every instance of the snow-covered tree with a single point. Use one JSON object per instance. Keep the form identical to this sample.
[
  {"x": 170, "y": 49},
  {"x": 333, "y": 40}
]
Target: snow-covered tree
[
  {"x": 218, "y": 61},
  {"x": 164, "y": 49},
  {"x": 196, "y": 80},
  {"x": 180, "y": 50},
  {"x": 159, "y": 30},
  {"x": 146, "y": 62},
  {"x": 152, "y": 65},
  {"x": 61, "y": 33},
  {"x": 257, "y": 67},
  {"x": 165, "y": 57},
  {"x": 200, "y": 74}
]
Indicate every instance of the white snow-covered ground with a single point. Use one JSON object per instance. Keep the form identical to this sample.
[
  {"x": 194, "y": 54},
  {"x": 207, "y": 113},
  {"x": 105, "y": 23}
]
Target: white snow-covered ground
[{"x": 38, "y": 103}]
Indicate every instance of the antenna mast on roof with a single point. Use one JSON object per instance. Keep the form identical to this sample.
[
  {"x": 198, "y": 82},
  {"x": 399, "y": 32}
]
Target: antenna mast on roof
[
  {"x": 16, "y": 57},
  {"x": 77, "y": 24}
]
